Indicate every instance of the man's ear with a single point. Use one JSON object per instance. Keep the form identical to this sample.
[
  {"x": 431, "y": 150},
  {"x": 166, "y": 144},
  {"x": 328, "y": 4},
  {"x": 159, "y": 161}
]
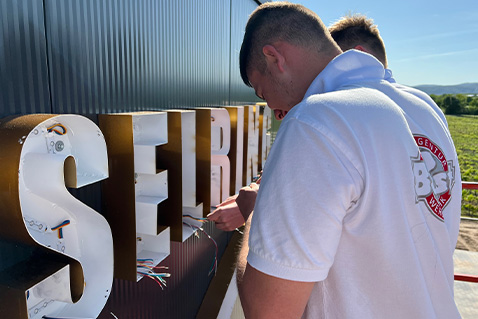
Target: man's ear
[
  {"x": 273, "y": 57},
  {"x": 361, "y": 48}
]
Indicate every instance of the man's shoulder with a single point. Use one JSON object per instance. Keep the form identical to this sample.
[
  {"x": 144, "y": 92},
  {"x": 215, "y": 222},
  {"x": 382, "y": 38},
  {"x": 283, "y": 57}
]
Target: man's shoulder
[
  {"x": 346, "y": 95},
  {"x": 344, "y": 104},
  {"x": 424, "y": 97},
  {"x": 413, "y": 91}
]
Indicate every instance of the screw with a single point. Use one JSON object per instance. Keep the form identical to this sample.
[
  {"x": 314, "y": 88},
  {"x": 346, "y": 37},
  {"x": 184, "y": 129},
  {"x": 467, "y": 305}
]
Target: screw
[{"x": 59, "y": 146}]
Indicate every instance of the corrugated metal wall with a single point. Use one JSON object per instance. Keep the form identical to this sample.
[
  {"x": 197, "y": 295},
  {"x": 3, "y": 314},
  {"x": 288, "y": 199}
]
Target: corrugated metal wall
[
  {"x": 239, "y": 14},
  {"x": 114, "y": 55},
  {"x": 189, "y": 264},
  {"x": 24, "y": 86},
  {"x": 89, "y": 57},
  {"x": 120, "y": 55}
]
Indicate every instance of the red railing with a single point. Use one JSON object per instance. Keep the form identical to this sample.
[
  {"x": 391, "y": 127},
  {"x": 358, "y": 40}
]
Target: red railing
[
  {"x": 467, "y": 278},
  {"x": 469, "y": 185},
  {"x": 461, "y": 277}
]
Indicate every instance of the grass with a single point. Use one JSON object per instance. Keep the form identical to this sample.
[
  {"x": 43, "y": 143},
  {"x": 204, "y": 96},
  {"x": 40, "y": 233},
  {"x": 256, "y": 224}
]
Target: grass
[{"x": 464, "y": 131}]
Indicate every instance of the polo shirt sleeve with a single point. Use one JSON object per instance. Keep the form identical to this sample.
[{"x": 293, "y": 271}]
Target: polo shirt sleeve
[{"x": 309, "y": 184}]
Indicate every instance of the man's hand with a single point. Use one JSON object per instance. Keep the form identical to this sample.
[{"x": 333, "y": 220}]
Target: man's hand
[
  {"x": 227, "y": 215},
  {"x": 233, "y": 212}
]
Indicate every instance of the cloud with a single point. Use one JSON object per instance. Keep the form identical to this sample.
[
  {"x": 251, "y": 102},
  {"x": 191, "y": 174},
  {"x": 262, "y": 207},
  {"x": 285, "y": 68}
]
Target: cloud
[
  {"x": 436, "y": 55},
  {"x": 442, "y": 35}
]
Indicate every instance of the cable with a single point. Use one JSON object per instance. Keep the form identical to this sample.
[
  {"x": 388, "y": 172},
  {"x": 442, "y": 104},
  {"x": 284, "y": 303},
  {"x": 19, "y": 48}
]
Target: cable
[
  {"x": 59, "y": 228},
  {"x": 52, "y": 129},
  {"x": 214, "y": 263},
  {"x": 157, "y": 277},
  {"x": 199, "y": 219},
  {"x": 144, "y": 268},
  {"x": 146, "y": 260},
  {"x": 142, "y": 265}
]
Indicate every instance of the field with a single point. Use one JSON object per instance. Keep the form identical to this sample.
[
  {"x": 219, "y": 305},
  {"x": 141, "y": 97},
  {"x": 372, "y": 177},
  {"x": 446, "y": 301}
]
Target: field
[{"x": 464, "y": 131}]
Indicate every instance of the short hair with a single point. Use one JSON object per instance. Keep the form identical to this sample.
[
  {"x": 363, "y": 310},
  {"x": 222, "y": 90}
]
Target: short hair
[
  {"x": 352, "y": 30},
  {"x": 281, "y": 21}
]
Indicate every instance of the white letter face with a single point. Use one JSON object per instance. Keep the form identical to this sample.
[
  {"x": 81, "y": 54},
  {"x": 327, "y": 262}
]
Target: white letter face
[
  {"x": 57, "y": 220},
  {"x": 220, "y": 146}
]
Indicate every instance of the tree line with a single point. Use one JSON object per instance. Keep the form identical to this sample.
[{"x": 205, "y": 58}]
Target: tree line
[{"x": 457, "y": 103}]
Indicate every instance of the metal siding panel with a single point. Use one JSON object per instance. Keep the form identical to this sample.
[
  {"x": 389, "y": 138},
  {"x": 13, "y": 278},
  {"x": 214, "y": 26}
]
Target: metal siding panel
[
  {"x": 23, "y": 63},
  {"x": 239, "y": 92},
  {"x": 189, "y": 264},
  {"x": 131, "y": 55}
]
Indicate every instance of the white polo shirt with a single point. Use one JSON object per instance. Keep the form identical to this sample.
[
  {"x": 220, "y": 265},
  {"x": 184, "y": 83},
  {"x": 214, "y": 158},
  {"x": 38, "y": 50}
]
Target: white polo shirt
[{"x": 361, "y": 193}]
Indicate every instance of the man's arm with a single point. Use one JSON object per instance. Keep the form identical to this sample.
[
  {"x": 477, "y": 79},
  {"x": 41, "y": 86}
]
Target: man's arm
[
  {"x": 234, "y": 211},
  {"x": 264, "y": 296},
  {"x": 227, "y": 215}
]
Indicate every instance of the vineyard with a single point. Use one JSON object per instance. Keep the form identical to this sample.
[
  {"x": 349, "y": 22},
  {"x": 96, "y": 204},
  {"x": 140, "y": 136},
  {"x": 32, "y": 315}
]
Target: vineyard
[{"x": 464, "y": 131}]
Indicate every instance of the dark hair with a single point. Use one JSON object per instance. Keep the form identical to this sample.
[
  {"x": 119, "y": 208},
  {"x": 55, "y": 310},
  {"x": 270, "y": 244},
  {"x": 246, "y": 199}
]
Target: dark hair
[
  {"x": 357, "y": 29},
  {"x": 280, "y": 21}
]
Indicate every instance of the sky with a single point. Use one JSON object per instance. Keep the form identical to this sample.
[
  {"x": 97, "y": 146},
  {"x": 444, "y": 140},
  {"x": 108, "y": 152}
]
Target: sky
[{"x": 427, "y": 41}]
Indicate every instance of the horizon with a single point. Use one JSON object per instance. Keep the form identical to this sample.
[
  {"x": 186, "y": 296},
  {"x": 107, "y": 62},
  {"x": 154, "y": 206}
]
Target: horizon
[
  {"x": 448, "y": 84},
  {"x": 426, "y": 44}
]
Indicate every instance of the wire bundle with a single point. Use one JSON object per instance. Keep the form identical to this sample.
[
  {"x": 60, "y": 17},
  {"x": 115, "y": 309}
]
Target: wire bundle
[
  {"x": 199, "y": 219},
  {"x": 58, "y": 132},
  {"x": 145, "y": 268},
  {"x": 59, "y": 228},
  {"x": 196, "y": 229}
]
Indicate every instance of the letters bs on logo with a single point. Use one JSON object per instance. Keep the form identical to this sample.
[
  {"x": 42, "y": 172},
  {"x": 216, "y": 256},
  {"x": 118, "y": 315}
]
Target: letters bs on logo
[{"x": 434, "y": 176}]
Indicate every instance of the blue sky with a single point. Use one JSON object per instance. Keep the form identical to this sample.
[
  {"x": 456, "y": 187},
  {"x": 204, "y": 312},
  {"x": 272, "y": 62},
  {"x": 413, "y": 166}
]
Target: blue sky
[{"x": 427, "y": 41}]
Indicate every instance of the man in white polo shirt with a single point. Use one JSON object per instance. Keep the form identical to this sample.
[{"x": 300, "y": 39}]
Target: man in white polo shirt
[
  {"x": 350, "y": 216},
  {"x": 349, "y": 32}
]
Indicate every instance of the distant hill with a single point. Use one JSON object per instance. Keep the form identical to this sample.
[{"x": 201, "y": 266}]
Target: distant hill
[{"x": 465, "y": 88}]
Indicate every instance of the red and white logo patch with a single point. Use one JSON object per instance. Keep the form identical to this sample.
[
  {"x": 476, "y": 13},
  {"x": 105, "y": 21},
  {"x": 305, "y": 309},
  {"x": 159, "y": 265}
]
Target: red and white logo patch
[{"x": 434, "y": 176}]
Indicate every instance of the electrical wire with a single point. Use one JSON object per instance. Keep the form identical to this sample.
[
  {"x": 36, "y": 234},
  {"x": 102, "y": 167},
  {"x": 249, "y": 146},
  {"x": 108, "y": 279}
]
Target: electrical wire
[
  {"x": 199, "y": 219},
  {"x": 59, "y": 228},
  {"x": 142, "y": 265},
  {"x": 53, "y": 129},
  {"x": 145, "y": 268},
  {"x": 258, "y": 178},
  {"x": 145, "y": 260},
  {"x": 214, "y": 263},
  {"x": 158, "y": 277}
]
